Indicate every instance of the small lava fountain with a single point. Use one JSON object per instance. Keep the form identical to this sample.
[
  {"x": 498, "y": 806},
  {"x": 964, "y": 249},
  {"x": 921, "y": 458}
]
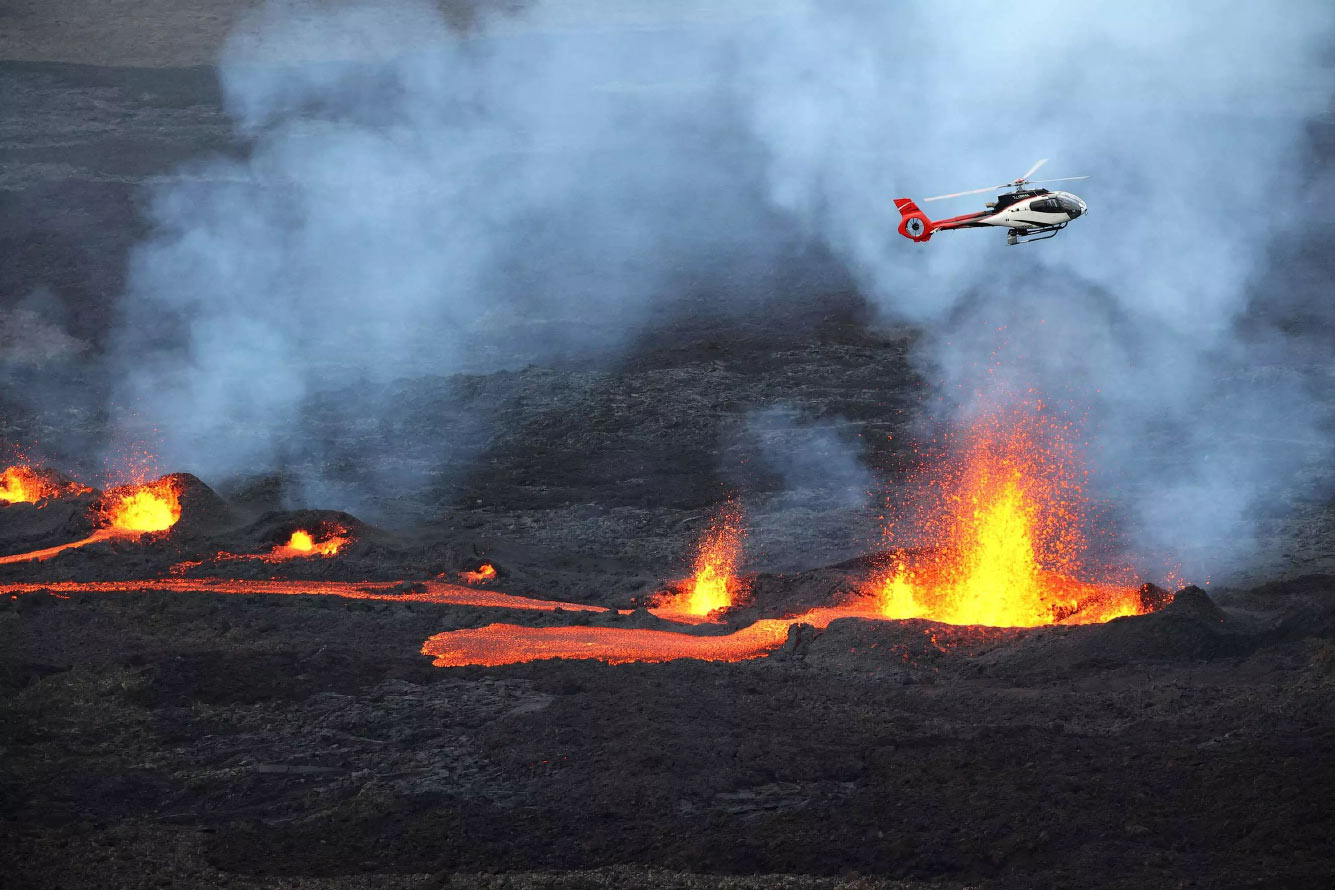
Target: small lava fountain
[
  {"x": 1007, "y": 521},
  {"x": 146, "y": 507},
  {"x": 22, "y": 484},
  {"x": 304, "y": 543},
  {"x": 480, "y": 575},
  {"x": 124, "y": 512},
  {"x": 715, "y": 586}
]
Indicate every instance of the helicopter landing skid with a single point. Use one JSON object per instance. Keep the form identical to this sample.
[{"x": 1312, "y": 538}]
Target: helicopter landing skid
[{"x": 1021, "y": 236}]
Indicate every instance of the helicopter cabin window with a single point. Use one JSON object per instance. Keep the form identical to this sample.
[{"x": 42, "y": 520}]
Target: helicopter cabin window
[{"x": 1046, "y": 205}]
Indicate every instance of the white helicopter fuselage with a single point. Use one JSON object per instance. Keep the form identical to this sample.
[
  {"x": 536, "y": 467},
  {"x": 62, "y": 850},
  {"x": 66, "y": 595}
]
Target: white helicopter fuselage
[{"x": 1037, "y": 212}]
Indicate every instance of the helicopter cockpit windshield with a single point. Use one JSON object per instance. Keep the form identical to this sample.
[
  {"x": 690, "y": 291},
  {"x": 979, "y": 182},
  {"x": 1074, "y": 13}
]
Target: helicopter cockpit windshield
[{"x": 1059, "y": 202}]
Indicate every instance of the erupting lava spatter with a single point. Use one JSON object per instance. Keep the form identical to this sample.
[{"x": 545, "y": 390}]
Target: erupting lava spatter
[
  {"x": 22, "y": 484},
  {"x": 715, "y": 585},
  {"x": 146, "y": 507},
  {"x": 124, "y": 512},
  {"x": 482, "y": 574},
  {"x": 304, "y": 543},
  {"x": 1005, "y": 523}
]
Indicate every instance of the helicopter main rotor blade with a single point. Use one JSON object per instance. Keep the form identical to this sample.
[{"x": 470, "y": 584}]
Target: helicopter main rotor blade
[
  {"x": 1060, "y": 179},
  {"x": 990, "y": 188},
  {"x": 1032, "y": 171}
]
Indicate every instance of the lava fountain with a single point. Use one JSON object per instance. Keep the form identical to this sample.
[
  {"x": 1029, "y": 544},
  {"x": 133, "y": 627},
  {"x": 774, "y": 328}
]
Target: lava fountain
[
  {"x": 21, "y": 484},
  {"x": 480, "y": 575},
  {"x": 1007, "y": 524},
  {"x": 715, "y": 586},
  {"x": 304, "y": 543},
  {"x": 124, "y": 512},
  {"x": 147, "y": 507}
]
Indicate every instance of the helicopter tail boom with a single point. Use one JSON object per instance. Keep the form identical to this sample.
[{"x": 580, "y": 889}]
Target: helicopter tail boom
[{"x": 916, "y": 226}]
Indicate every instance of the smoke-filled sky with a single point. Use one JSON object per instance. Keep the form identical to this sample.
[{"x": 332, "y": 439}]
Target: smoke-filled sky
[{"x": 562, "y": 172}]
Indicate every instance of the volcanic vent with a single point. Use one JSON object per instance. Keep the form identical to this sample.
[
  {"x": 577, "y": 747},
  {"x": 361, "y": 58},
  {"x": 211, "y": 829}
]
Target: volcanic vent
[{"x": 1004, "y": 526}]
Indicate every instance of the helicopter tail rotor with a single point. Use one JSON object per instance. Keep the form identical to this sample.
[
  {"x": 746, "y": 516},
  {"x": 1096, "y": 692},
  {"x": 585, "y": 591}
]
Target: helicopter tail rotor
[{"x": 914, "y": 224}]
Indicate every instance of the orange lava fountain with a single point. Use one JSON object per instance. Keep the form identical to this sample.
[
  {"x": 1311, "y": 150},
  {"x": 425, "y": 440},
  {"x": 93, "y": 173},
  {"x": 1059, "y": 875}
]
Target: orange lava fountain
[
  {"x": 303, "y": 543},
  {"x": 1008, "y": 518},
  {"x": 147, "y": 507},
  {"x": 481, "y": 575},
  {"x": 21, "y": 484},
  {"x": 715, "y": 586},
  {"x": 125, "y": 512}
]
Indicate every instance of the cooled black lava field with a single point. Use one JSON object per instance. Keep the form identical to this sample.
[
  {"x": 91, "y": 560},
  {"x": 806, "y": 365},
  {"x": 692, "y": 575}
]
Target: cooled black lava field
[{"x": 169, "y": 733}]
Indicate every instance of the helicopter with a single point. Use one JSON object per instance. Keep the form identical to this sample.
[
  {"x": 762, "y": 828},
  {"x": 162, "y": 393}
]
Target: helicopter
[{"x": 1029, "y": 214}]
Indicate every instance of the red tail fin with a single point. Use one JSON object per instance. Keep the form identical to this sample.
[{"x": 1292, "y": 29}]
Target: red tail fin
[{"x": 915, "y": 225}]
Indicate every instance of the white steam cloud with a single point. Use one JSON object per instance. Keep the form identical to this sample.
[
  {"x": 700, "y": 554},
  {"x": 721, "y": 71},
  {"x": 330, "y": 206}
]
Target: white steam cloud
[{"x": 420, "y": 201}]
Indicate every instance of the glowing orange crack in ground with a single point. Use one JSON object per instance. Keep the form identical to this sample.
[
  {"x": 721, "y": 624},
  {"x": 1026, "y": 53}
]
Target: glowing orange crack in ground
[{"x": 435, "y": 592}]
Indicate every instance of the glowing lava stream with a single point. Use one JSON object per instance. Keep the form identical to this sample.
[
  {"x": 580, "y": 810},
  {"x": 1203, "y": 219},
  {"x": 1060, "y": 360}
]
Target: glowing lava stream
[
  {"x": 715, "y": 585},
  {"x": 435, "y": 592},
  {"x": 500, "y": 644},
  {"x": 102, "y": 534},
  {"x": 1009, "y": 520}
]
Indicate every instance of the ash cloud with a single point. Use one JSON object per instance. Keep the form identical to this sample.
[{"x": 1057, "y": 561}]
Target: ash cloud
[{"x": 423, "y": 201}]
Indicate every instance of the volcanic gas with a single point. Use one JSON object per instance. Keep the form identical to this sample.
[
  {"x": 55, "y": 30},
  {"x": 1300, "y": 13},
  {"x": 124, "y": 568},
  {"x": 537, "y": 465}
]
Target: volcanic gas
[
  {"x": 715, "y": 585},
  {"x": 1005, "y": 521}
]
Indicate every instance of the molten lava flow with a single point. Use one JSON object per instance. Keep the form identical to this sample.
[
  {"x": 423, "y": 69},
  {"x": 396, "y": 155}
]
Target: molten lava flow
[
  {"x": 1008, "y": 519},
  {"x": 481, "y": 575},
  {"x": 148, "y": 507},
  {"x": 102, "y": 534},
  {"x": 434, "y": 592},
  {"x": 715, "y": 586},
  {"x": 499, "y": 644}
]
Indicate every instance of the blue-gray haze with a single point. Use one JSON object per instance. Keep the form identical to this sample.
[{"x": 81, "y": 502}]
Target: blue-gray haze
[{"x": 557, "y": 176}]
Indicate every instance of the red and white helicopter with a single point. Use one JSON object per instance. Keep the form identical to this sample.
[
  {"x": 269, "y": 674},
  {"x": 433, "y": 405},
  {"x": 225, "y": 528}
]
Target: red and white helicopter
[{"x": 1029, "y": 214}]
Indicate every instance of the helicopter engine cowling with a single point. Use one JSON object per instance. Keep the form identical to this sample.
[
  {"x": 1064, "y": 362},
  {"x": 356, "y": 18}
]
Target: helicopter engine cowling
[{"x": 915, "y": 225}]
